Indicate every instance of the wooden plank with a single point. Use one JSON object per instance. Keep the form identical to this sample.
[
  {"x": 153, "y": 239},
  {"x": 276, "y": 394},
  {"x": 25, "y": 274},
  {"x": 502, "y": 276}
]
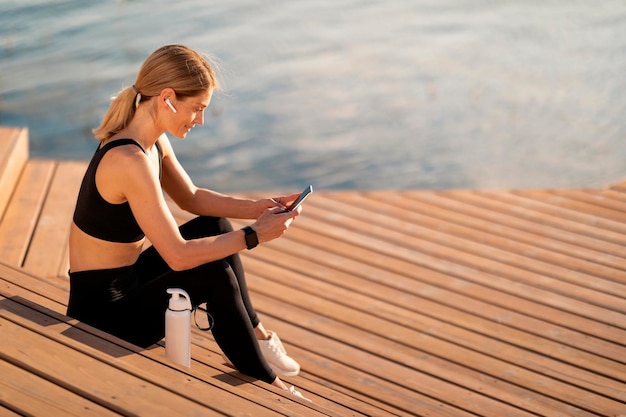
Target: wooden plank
[
  {"x": 474, "y": 371},
  {"x": 378, "y": 394},
  {"x": 498, "y": 219},
  {"x": 90, "y": 378},
  {"x": 609, "y": 193},
  {"x": 473, "y": 307},
  {"x": 13, "y": 156},
  {"x": 136, "y": 363},
  {"x": 21, "y": 216},
  {"x": 468, "y": 330},
  {"x": 543, "y": 213},
  {"x": 18, "y": 283},
  {"x": 404, "y": 275},
  {"x": 515, "y": 247},
  {"x": 421, "y": 251},
  {"x": 216, "y": 375},
  {"x": 204, "y": 385},
  {"x": 30, "y": 394},
  {"x": 336, "y": 388},
  {"x": 7, "y": 412},
  {"x": 48, "y": 246},
  {"x": 428, "y": 371},
  {"x": 582, "y": 212},
  {"x": 333, "y": 402},
  {"x": 581, "y": 201}
]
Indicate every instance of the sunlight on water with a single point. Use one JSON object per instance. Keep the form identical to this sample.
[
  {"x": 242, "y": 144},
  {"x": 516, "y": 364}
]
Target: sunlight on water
[{"x": 343, "y": 94}]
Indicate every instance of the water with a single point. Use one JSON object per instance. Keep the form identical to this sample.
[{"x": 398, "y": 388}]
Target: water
[{"x": 343, "y": 94}]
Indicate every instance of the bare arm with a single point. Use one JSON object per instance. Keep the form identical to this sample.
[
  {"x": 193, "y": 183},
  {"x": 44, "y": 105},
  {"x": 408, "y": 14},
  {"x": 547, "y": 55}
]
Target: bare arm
[
  {"x": 140, "y": 186},
  {"x": 204, "y": 202}
]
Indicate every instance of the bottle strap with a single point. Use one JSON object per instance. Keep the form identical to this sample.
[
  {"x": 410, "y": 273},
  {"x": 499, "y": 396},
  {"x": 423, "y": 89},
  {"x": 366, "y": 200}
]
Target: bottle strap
[{"x": 209, "y": 318}]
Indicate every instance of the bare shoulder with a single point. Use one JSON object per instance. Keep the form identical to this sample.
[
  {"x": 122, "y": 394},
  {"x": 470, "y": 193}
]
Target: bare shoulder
[
  {"x": 123, "y": 158},
  {"x": 166, "y": 145},
  {"x": 122, "y": 170}
]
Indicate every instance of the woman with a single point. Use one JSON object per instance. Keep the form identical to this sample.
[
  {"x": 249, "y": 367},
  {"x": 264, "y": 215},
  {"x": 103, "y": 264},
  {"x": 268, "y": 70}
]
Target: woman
[{"x": 119, "y": 288}]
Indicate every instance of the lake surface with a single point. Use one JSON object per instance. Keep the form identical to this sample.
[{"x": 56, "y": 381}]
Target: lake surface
[{"x": 342, "y": 94}]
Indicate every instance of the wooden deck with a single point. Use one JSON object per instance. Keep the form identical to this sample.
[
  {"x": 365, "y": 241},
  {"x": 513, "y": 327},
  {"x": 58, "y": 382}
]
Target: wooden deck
[{"x": 429, "y": 303}]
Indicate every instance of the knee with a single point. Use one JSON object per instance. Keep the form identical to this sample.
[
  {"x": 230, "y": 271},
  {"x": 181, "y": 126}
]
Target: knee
[
  {"x": 222, "y": 278},
  {"x": 205, "y": 226},
  {"x": 218, "y": 225},
  {"x": 224, "y": 225}
]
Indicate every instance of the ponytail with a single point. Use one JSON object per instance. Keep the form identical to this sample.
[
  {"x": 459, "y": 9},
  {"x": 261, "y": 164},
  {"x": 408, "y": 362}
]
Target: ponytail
[{"x": 118, "y": 116}]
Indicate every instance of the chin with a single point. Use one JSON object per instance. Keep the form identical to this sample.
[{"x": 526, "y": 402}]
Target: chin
[{"x": 179, "y": 135}]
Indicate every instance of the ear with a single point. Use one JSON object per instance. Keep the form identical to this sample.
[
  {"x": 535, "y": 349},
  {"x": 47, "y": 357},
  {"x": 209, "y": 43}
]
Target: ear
[{"x": 165, "y": 94}]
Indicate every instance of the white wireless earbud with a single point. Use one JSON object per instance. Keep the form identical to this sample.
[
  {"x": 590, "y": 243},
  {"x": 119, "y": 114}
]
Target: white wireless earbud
[{"x": 171, "y": 106}]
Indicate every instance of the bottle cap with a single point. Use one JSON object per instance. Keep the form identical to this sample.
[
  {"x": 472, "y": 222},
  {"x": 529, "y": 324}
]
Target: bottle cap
[{"x": 179, "y": 301}]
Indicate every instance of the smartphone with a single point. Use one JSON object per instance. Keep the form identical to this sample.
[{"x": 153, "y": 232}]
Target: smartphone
[{"x": 307, "y": 191}]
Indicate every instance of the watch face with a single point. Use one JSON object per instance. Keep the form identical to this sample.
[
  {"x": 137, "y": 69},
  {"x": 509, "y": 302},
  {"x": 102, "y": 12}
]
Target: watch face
[{"x": 251, "y": 238}]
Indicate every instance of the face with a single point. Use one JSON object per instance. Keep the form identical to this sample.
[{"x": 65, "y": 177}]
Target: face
[{"x": 189, "y": 113}]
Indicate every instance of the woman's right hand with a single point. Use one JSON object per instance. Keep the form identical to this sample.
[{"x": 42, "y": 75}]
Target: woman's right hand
[{"x": 273, "y": 223}]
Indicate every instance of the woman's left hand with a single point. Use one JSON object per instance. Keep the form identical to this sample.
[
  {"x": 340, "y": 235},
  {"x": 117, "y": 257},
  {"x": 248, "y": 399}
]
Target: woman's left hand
[
  {"x": 286, "y": 201},
  {"x": 281, "y": 202}
]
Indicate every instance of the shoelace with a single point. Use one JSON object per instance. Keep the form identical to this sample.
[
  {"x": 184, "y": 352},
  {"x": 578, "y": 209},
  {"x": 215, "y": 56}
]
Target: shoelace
[
  {"x": 276, "y": 344},
  {"x": 280, "y": 346},
  {"x": 274, "y": 347}
]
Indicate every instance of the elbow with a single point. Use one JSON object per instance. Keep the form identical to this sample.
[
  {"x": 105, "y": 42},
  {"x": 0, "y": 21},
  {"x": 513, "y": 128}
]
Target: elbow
[
  {"x": 176, "y": 262},
  {"x": 177, "y": 253},
  {"x": 187, "y": 202},
  {"x": 186, "y": 205}
]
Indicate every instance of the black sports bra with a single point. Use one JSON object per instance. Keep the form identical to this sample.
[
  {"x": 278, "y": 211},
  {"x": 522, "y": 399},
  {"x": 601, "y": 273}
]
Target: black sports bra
[{"x": 99, "y": 218}]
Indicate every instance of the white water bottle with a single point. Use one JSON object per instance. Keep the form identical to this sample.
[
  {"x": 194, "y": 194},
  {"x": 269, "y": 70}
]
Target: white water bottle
[{"x": 178, "y": 327}]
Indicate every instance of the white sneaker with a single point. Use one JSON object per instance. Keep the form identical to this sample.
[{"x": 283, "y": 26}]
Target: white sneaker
[
  {"x": 292, "y": 390},
  {"x": 276, "y": 356}
]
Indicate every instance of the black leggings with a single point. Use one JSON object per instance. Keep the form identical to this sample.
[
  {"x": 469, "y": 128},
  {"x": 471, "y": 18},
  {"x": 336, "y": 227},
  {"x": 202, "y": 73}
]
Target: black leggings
[{"x": 130, "y": 302}]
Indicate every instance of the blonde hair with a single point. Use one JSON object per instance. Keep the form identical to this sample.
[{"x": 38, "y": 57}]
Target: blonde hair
[{"x": 172, "y": 66}]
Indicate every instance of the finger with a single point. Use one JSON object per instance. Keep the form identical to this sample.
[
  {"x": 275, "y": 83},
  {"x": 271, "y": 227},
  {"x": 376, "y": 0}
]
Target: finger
[
  {"x": 284, "y": 212},
  {"x": 277, "y": 209},
  {"x": 278, "y": 203}
]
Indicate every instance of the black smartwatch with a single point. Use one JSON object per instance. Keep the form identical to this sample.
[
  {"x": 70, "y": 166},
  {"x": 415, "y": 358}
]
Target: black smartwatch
[{"x": 252, "y": 239}]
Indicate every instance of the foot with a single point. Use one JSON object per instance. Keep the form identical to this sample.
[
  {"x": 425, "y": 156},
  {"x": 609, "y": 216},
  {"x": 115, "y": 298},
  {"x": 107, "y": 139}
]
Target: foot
[
  {"x": 276, "y": 356},
  {"x": 292, "y": 390}
]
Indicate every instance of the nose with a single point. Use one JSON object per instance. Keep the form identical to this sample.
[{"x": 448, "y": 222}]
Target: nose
[{"x": 199, "y": 120}]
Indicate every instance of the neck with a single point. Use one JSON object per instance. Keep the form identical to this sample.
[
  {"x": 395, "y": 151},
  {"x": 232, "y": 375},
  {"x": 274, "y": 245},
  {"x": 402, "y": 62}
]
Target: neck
[{"x": 143, "y": 128}]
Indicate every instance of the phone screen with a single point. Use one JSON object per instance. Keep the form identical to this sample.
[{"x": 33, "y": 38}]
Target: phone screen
[{"x": 307, "y": 191}]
